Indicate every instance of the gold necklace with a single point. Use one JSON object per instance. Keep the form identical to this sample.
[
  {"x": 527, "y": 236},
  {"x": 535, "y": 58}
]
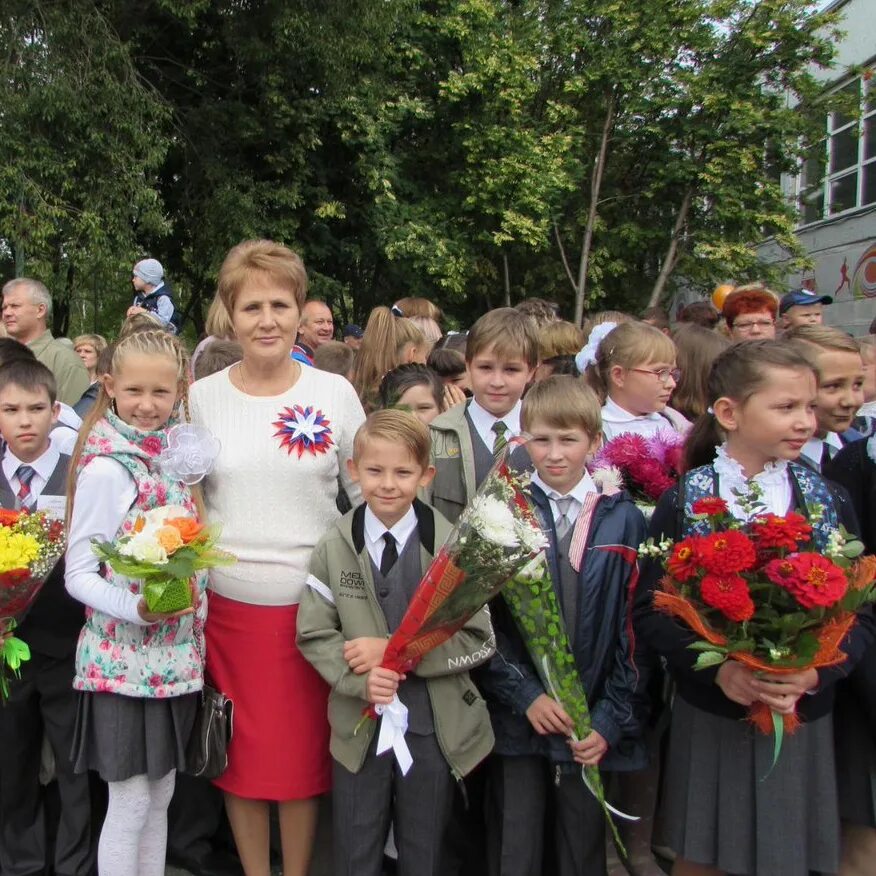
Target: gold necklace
[{"x": 242, "y": 378}]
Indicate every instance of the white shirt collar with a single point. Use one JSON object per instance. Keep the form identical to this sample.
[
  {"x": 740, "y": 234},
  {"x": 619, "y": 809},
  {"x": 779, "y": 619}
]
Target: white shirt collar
[
  {"x": 43, "y": 465},
  {"x": 813, "y": 447},
  {"x": 401, "y": 532},
  {"x": 773, "y": 482},
  {"x": 613, "y": 412},
  {"x": 483, "y": 421},
  {"x": 579, "y": 492}
]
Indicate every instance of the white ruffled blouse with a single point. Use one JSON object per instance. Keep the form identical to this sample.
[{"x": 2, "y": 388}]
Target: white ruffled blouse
[{"x": 774, "y": 483}]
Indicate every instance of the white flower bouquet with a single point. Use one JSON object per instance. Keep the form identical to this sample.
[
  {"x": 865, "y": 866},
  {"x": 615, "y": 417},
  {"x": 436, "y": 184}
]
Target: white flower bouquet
[{"x": 164, "y": 551}]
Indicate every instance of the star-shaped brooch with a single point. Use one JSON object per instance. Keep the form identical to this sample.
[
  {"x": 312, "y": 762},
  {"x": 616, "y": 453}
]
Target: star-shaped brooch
[{"x": 303, "y": 429}]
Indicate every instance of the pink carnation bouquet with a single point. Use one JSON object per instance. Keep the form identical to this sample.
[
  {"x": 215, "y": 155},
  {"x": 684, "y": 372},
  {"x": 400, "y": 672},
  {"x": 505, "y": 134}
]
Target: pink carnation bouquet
[{"x": 645, "y": 467}]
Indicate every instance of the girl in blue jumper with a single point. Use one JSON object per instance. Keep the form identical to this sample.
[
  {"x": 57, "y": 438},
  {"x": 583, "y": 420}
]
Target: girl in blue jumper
[
  {"x": 139, "y": 672},
  {"x": 724, "y": 809}
]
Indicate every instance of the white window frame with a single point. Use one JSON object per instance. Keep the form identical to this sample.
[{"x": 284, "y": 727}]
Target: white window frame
[{"x": 865, "y": 89}]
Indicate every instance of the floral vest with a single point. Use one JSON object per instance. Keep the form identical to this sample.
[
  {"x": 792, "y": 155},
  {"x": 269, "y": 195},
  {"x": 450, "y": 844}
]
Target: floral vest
[
  {"x": 700, "y": 484},
  {"x": 115, "y": 656}
]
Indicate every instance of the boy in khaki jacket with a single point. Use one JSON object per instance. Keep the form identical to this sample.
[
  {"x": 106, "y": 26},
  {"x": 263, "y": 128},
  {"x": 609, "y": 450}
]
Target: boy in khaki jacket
[{"x": 363, "y": 574}]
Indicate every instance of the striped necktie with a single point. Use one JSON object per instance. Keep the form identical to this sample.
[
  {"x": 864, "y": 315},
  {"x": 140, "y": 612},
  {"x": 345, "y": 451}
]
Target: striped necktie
[
  {"x": 25, "y": 475},
  {"x": 500, "y": 442}
]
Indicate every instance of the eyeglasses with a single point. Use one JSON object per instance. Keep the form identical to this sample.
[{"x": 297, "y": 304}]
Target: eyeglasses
[
  {"x": 757, "y": 323},
  {"x": 664, "y": 375}
]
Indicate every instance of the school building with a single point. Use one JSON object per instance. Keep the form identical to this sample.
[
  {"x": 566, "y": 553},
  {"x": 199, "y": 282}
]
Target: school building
[{"x": 835, "y": 191}]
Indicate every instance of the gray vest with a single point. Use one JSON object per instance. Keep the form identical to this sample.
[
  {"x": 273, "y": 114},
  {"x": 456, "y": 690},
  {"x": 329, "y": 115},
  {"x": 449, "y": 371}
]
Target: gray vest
[
  {"x": 394, "y": 592},
  {"x": 56, "y": 486},
  {"x": 484, "y": 459},
  {"x": 568, "y": 585}
]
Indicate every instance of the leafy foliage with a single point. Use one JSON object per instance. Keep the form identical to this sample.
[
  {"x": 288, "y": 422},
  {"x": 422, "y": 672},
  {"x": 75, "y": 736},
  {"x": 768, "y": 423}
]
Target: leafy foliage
[{"x": 444, "y": 148}]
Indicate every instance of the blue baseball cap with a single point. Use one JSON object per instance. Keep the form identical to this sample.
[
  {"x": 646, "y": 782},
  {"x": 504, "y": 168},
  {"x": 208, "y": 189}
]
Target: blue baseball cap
[
  {"x": 352, "y": 331},
  {"x": 802, "y": 297}
]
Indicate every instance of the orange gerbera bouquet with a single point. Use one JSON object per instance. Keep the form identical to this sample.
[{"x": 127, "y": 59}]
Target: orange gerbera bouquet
[
  {"x": 760, "y": 593},
  {"x": 165, "y": 549}
]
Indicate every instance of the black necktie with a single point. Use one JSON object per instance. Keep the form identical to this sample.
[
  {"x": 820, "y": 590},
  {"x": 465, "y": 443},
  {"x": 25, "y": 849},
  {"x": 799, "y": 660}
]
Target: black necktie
[
  {"x": 390, "y": 553},
  {"x": 826, "y": 455}
]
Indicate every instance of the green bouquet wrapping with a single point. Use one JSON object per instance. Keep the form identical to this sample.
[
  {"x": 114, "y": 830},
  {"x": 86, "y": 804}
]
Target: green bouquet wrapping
[
  {"x": 165, "y": 550},
  {"x": 534, "y": 606}
]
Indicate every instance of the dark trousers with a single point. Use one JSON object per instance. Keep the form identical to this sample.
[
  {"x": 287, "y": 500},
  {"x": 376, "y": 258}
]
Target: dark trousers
[
  {"x": 42, "y": 702},
  {"x": 193, "y": 818},
  {"x": 417, "y": 805},
  {"x": 517, "y": 798}
]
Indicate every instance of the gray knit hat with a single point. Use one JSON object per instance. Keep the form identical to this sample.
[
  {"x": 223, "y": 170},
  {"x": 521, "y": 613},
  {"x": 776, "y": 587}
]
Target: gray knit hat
[{"x": 149, "y": 271}]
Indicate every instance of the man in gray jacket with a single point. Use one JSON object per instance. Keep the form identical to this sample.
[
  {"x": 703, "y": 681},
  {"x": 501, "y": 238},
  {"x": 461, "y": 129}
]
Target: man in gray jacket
[{"x": 27, "y": 309}]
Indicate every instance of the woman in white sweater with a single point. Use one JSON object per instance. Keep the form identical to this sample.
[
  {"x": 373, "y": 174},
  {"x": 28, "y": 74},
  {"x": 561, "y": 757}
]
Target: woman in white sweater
[{"x": 286, "y": 432}]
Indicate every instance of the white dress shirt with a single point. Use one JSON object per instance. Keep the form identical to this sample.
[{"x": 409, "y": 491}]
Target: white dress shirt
[
  {"x": 814, "y": 447},
  {"x": 617, "y": 421},
  {"x": 374, "y": 531},
  {"x": 483, "y": 421},
  {"x": 43, "y": 467},
  {"x": 577, "y": 494},
  {"x": 105, "y": 492}
]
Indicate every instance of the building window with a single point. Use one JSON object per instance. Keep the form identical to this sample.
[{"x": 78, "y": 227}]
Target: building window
[{"x": 839, "y": 172}]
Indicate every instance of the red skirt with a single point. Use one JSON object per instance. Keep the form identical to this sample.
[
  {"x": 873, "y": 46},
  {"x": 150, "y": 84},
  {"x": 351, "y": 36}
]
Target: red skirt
[{"x": 280, "y": 746}]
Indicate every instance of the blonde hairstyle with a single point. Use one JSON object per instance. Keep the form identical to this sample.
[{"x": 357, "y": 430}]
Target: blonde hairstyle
[
  {"x": 629, "y": 345},
  {"x": 559, "y": 338},
  {"x": 509, "y": 332},
  {"x": 398, "y": 427},
  {"x": 562, "y": 402},
  {"x": 218, "y": 322},
  {"x": 812, "y": 340},
  {"x": 428, "y": 327},
  {"x": 144, "y": 343},
  {"x": 601, "y": 316},
  {"x": 420, "y": 307},
  {"x": 383, "y": 343},
  {"x": 140, "y": 322},
  {"x": 697, "y": 348},
  {"x": 96, "y": 341},
  {"x": 261, "y": 260}
]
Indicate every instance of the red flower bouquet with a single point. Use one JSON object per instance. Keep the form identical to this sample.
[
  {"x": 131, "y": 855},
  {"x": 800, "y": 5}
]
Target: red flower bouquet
[
  {"x": 496, "y": 535},
  {"x": 648, "y": 467},
  {"x": 759, "y": 593}
]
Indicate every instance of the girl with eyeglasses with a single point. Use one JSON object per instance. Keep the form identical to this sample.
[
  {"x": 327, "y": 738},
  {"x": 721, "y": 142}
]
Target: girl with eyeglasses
[{"x": 632, "y": 368}]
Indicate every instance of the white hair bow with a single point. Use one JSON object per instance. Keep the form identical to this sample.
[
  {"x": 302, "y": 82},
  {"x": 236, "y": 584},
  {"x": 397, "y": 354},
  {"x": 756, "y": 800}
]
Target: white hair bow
[{"x": 587, "y": 354}]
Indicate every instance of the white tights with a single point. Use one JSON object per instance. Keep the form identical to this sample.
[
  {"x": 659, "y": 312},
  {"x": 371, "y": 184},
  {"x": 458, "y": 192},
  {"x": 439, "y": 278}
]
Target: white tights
[{"x": 134, "y": 836}]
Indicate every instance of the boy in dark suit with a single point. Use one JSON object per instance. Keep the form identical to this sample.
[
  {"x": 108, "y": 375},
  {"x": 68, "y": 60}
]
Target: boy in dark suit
[{"x": 33, "y": 477}]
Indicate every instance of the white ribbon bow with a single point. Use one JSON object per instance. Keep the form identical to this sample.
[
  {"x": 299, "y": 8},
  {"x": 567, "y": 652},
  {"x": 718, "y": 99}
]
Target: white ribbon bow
[
  {"x": 586, "y": 356},
  {"x": 393, "y": 726}
]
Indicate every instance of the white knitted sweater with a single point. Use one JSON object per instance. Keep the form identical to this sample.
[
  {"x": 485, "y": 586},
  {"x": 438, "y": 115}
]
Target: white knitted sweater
[{"x": 273, "y": 503}]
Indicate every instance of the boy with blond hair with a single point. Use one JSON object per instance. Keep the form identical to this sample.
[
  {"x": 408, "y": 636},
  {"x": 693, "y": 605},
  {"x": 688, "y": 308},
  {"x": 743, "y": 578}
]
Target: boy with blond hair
[
  {"x": 594, "y": 535},
  {"x": 363, "y": 573},
  {"x": 501, "y": 356}
]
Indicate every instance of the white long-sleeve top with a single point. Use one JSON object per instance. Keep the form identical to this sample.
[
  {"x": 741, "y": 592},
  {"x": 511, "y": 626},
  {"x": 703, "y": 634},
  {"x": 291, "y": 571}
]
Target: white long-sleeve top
[
  {"x": 274, "y": 503},
  {"x": 105, "y": 492}
]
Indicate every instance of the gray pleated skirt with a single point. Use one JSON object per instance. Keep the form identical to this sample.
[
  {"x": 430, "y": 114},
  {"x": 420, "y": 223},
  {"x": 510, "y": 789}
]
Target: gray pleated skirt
[
  {"x": 724, "y": 808},
  {"x": 120, "y": 737}
]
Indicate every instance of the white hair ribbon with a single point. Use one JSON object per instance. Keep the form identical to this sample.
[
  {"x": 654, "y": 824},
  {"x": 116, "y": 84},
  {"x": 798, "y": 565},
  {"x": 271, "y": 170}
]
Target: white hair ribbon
[{"x": 588, "y": 353}]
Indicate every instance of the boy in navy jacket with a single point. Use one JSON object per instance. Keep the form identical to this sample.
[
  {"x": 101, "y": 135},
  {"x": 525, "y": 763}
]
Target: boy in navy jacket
[{"x": 532, "y": 729}]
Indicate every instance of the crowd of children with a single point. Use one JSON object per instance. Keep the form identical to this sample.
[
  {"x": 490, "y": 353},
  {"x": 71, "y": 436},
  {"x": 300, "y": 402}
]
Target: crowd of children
[{"x": 496, "y": 782}]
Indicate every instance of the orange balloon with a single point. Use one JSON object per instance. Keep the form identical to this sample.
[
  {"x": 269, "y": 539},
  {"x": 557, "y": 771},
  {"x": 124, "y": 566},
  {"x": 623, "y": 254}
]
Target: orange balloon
[{"x": 719, "y": 296}]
